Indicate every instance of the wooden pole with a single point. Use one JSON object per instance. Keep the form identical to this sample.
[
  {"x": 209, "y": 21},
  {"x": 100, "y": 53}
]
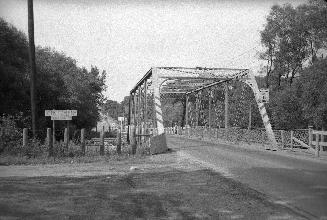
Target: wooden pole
[
  {"x": 32, "y": 63},
  {"x": 25, "y": 137},
  {"x": 83, "y": 141},
  {"x": 226, "y": 107},
  {"x": 102, "y": 142}
]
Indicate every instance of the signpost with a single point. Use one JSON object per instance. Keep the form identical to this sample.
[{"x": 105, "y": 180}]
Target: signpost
[{"x": 60, "y": 115}]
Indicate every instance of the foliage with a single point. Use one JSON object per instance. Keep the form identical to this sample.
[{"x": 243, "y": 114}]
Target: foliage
[
  {"x": 10, "y": 135},
  {"x": 292, "y": 37},
  {"x": 61, "y": 84},
  {"x": 312, "y": 88}
]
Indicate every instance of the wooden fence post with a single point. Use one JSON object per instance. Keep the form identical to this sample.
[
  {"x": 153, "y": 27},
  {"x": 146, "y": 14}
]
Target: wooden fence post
[
  {"x": 83, "y": 141},
  {"x": 292, "y": 139},
  {"x": 282, "y": 134},
  {"x": 25, "y": 139},
  {"x": 102, "y": 142},
  {"x": 119, "y": 142},
  {"x": 317, "y": 144},
  {"x": 49, "y": 142}
]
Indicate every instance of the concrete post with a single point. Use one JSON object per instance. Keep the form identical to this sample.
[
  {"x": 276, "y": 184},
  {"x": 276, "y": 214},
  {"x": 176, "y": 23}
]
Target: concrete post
[
  {"x": 282, "y": 134},
  {"x": 310, "y": 136},
  {"x": 317, "y": 145},
  {"x": 49, "y": 142},
  {"x": 25, "y": 139},
  {"x": 53, "y": 132},
  {"x": 83, "y": 141},
  {"x": 292, "y": 140},
  {"x": 119, "y": 142},
  {"x": 66, "y": 139},
  {"x": 102, "y": 142}
]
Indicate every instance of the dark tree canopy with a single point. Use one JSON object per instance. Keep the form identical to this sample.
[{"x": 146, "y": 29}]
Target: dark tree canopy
[{"x": 61, "y": 84}]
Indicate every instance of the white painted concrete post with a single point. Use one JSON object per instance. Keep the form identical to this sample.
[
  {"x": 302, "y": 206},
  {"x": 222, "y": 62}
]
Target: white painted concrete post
[
  {"x": 317, "y": 145},
  {"x": 310, "y": 136},
  {"x": 292, "y": 139},
  {"x": 25, "y": 139},
  {"x": 282, "y": 137}
]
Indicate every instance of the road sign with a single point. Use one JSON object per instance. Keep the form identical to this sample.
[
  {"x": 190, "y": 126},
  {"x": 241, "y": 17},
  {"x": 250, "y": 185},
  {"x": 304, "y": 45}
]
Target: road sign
[
  {"x": 61, "y": 117},
  {"x": 60, "y": 114},
  {"x": 264, "y": 95},
  {"x": 121, "y": 119}
]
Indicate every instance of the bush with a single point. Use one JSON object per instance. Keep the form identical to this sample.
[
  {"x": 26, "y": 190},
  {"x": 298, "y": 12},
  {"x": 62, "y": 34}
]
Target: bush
[{"x": 10, "y": 135}]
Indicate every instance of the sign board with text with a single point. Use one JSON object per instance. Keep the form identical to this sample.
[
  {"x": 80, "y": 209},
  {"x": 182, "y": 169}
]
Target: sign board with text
[
  {"x": 264, "y": 95},
  {"x": 61, "y": 114},
  {"x": 121, "y": 119}
]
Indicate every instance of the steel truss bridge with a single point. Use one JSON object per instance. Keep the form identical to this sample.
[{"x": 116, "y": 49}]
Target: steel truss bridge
[{"x": 145, "y": 104}]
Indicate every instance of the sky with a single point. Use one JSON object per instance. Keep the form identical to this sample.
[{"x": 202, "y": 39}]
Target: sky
[{"x": 128, "y": 37}]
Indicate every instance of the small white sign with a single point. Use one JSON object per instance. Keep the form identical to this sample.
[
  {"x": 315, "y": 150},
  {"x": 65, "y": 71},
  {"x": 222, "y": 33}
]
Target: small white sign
[
  {"x": 61, "y": 117},
  {"x": 121, "y": 119},
  {"x": 60, "y": 114},
  {"x": 264, "y": 95}
]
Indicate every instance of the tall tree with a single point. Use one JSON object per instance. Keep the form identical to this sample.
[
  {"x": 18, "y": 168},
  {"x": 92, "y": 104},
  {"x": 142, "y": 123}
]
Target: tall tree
[{"x": 292, "y": 37}]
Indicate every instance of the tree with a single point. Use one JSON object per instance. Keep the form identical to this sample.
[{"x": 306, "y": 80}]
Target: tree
[
  {"x": 312, "y": 88},
  {"x": 14, "y": 83},
  {"x": 291, "y": 37},
  {"x": 61, "y": 83}
]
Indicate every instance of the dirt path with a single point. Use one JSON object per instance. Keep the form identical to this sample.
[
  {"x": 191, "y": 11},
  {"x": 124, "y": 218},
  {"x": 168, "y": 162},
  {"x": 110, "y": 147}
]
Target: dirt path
[{"x": 167, "y": 186}]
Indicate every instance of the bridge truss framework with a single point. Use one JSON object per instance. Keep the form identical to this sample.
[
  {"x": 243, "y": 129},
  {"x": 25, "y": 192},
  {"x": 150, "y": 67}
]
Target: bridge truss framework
[{"x": 145, "y": 110}]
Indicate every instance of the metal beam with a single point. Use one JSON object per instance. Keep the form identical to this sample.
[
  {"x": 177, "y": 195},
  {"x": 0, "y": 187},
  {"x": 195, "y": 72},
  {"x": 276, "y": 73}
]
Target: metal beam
[{"x": 146, "y": 76}]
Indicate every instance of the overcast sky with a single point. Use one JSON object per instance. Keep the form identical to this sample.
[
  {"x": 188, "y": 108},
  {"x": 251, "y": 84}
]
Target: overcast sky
[{"x": 128, "y": 37}]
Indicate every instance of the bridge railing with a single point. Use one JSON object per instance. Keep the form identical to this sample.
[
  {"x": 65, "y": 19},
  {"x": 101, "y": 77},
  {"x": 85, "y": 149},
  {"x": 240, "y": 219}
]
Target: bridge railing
[{"x": 299, "y": 138}]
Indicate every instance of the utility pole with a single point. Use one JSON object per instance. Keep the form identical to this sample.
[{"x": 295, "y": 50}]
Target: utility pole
[{"x": 32, "y": 63}]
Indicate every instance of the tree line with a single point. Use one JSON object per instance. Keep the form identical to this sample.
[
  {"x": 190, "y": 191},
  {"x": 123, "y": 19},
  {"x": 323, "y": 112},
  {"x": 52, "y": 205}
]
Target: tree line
[{"x": 60, "y": 83}]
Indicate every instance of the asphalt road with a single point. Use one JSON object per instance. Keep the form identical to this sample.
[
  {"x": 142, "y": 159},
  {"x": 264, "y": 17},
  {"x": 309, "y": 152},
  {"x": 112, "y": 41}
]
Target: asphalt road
[{"x": 296, "y": 182}]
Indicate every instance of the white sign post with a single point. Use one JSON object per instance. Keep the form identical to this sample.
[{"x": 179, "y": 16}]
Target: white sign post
[{"x": 60, "y": 115}]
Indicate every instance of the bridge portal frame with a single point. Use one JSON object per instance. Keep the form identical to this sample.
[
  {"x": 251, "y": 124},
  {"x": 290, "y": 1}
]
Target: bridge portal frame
[{"x": 182, "y": 80}]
